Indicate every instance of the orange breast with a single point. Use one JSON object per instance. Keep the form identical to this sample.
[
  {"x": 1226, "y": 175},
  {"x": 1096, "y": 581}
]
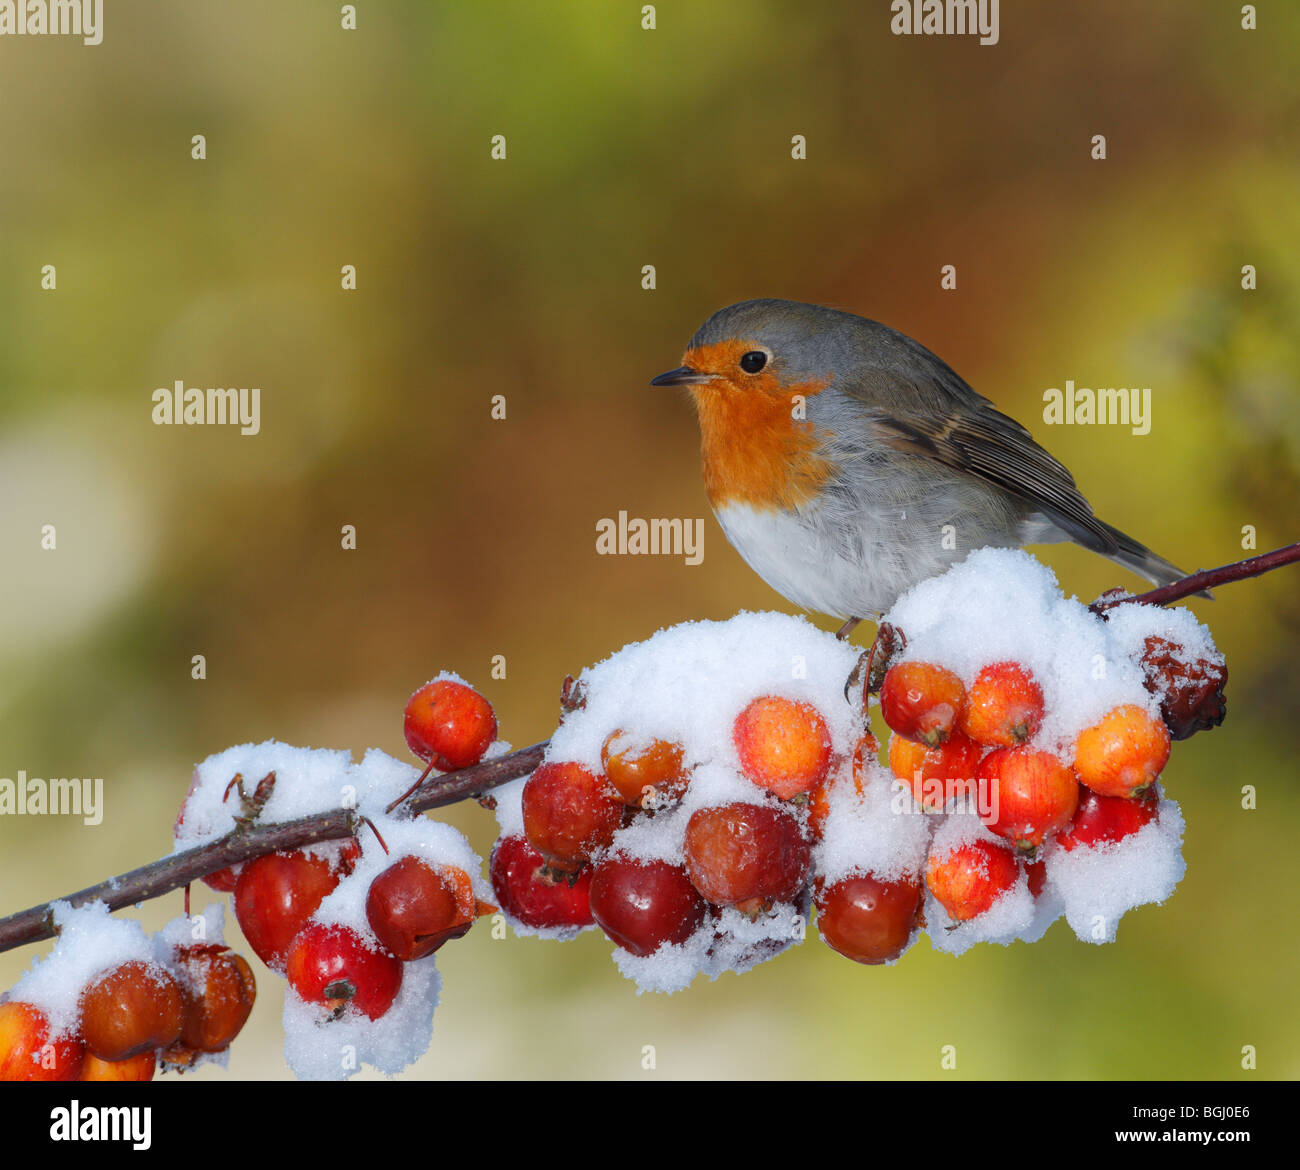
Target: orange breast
[{"x": 756, "y": 452}]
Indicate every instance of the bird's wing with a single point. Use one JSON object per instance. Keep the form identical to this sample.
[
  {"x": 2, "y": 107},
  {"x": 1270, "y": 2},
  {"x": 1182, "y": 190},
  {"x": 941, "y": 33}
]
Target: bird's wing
[{"x": 936, "y": 415}]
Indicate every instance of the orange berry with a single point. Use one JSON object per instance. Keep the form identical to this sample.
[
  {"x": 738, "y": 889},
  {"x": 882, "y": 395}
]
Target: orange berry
[
  {"x": 134, "y": 1068},
  {"x": 922, "y": 701},
  {"x": 1004, "y": 707},
  {"x": 784, "y": 746},
  {"x": 1030, "y": 795},
  {"x": 132, "y": 1008},
  {"x": 221, "y": 990},
  {"x": 633, "y": 766},
  {"x": 935, "y": 775},
  {"x": 970, "y": 878},
  {"x": 26, "y": 1052},
  {"x": 1123, "y": 753}
]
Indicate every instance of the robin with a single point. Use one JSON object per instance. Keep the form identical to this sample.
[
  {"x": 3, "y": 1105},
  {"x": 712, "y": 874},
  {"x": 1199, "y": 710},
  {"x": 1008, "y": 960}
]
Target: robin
[{"x": 846, "y": 463}]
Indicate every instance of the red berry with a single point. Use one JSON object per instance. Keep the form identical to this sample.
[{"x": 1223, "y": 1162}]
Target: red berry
[
  {"x": 866, "y": 919},
  {"x": 784, "y": 746},
  {"x": 643, "y": 904},
  {"x": 134, "y": 1007},
  {"x": 740, "y": 852},
  {"x": 570, "y": 813},
  {"x": 1100, "y": 819},
  {"x": 632, "y": 766},
  {"x": 449, "y": 725},
  {"x": 970, "y": 878},
  {"x": 414, "y": 908},
  {"x": 534, "y": 894},
  {"x": 1004, "y": 707},
  {"x": 1123, "y": 753},
  {"x": 275, "y": 896},
  {"x": 333, "y": 965},
  {"x": 935, "y": 775},
  {"x": 922, "y": 701},
  {"x": 1030, "y": 795},
  {"x": 221, "y": 991},
  {"x": 26, "y": 1051},
  {"x": 134, "y": 1068}
]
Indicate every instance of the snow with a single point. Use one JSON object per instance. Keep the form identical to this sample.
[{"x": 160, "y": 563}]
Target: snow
[
  {"x": 90, "y": 943},
  {"x": 309, "y": 781},
  {"x": 1097, "y": 884},
  {"x": 686, "y": 685}
]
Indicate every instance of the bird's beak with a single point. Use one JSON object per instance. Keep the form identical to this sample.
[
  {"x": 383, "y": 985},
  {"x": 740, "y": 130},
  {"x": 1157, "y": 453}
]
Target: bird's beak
[{"x": 682, "y": 376}]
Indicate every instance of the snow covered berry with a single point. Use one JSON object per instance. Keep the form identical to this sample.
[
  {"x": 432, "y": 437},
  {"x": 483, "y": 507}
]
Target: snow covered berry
[
  {"x": 569, "y": 813},
  {"x": 642, "y": 905},
  {"x": 533, "y": 893},
  {"x": 1030, "y": 795},
  {"x": 449, "y": 724},
  {"x": 866, "y": 919},
  {"x": 740, "y": 853},
  {"x": 334, "y": 966},
  {"x": 1123, "y": 753},
  {"x": 1004, "y": 706},
  {"x": 414, "y": 908},
  {"x": 132, "y": 1008},
  {"x": 27, "y": 1050},
  {"x": 784, "y": 746},
  {"x": 922, "y": 701},
  {"x": 646, "y": 772},
  {"x": 970, "y": 878},
  {"x": 275, "y": 896}
]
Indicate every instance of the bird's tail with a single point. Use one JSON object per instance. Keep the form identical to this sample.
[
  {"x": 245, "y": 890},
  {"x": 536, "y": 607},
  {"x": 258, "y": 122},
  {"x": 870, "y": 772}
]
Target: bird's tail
[{"x": 1141, "y": 560}]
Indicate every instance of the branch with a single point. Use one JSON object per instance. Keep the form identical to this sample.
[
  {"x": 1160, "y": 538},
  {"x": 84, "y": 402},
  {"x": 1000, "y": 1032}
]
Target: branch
[
  {"x": 244, "y": 843},
  {"x": 1205, "y": 579},
  {"x": 180, "y": 869}
]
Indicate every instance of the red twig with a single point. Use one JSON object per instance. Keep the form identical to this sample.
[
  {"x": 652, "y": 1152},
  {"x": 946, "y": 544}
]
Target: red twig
[{"x": 1206, "y": 579}]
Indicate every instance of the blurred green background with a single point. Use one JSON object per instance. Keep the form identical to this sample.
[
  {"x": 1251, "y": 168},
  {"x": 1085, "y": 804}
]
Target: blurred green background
[{"x": 522, "y": 278}]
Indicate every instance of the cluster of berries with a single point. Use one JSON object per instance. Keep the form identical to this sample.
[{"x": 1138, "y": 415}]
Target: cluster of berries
[
  {"x": 171, "y": 1003},
  {"x": 412, "y": 907},
  {"x": 566, "y": 871},
  {"x": 345, "y": 925},
  {"x": 955, "y": 747},
  {"x": 698, "y": 837}
]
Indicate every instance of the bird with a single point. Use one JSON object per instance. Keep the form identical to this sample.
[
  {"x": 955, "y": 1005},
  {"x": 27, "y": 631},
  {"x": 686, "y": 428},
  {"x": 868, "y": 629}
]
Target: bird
[{"x": 846, "y": 463}]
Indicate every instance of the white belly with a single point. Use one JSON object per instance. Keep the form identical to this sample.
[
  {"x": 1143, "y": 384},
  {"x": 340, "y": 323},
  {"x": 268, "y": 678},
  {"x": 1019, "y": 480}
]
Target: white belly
[{"x": 804, "y": 562}]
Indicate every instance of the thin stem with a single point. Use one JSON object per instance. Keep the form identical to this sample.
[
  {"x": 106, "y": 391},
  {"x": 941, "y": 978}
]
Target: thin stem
[{"x": 1206, "y": 579}]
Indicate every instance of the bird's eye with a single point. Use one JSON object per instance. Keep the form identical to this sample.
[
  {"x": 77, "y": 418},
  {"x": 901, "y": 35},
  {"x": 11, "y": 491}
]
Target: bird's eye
[{"x": 753, "y": 361}]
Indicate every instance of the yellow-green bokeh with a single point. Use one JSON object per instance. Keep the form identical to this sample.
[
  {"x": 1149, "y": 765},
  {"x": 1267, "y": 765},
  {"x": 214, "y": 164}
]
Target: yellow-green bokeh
[{"x": 522, "y": 278}]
